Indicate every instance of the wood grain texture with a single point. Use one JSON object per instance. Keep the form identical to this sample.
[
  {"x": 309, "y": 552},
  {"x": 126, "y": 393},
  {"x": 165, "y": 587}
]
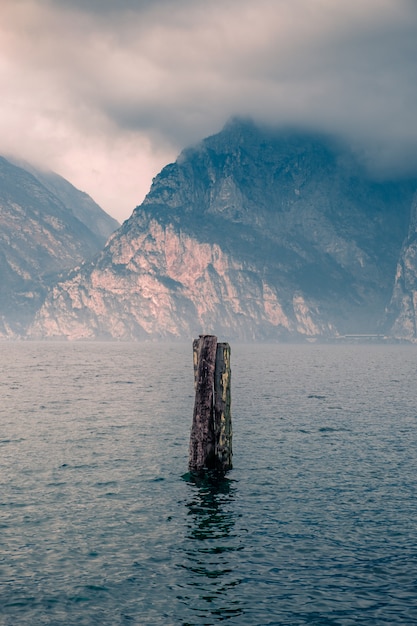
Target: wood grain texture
[
  {"x": 222, "y": 408},
  {"x": 202, "y": 440}
]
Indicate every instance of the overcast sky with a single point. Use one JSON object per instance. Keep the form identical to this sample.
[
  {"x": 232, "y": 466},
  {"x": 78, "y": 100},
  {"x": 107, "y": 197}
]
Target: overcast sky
[{"x": 106, "y": 92}]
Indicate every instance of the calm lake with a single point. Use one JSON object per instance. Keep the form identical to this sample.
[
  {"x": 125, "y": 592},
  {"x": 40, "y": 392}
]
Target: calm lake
[{"x": 100, "y": 524}]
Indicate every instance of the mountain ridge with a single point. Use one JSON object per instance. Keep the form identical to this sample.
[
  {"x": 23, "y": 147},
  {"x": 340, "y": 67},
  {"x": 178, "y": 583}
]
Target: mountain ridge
[{"x": 253, "y": 234}]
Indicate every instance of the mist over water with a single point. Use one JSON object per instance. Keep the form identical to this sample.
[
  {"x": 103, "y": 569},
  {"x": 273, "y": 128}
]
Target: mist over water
[{"x": 101, "y": 524}]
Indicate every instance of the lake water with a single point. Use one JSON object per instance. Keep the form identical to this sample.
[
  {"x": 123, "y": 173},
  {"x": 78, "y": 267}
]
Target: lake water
[{"x": 99, "y": 523}]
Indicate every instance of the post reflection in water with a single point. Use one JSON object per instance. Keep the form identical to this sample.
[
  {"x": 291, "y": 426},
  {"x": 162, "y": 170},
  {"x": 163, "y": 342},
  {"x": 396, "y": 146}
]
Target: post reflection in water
[{"x": 211, "y": 549}]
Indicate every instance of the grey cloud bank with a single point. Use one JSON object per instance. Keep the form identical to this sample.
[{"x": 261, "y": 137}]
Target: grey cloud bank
[{"x": 107, "y": 93}]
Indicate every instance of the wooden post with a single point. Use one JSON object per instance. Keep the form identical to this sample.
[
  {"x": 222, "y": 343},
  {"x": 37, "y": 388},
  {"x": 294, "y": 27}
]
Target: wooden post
[
  {"x": 222, "y": 402},
  {"x": 202, "y": 444},
  {"x": 196, "y": 346},
  {"x": 211, "y": 432}
]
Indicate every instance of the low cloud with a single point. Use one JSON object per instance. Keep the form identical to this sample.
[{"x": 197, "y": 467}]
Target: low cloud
[{"x": 107, "y": 93}]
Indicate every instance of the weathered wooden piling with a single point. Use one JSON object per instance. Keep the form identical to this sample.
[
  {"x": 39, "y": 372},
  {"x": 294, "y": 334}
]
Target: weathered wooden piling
[
  {"x": 222, "y": 404},
  {"x": 211, "y": 432}
]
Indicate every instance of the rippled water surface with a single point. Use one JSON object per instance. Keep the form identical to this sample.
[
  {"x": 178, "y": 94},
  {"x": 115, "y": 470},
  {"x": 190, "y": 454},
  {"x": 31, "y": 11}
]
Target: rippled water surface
[{"x": 99, "y": 523}]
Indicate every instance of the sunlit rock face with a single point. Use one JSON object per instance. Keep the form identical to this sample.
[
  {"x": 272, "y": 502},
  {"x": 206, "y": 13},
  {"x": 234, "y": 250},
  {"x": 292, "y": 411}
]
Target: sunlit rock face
[
  {"x": 401, "y": 315},
  {"x": 161, "y": 282},
  {"x": 45, "y": 228},
  {"x": 251, "y": 234}
]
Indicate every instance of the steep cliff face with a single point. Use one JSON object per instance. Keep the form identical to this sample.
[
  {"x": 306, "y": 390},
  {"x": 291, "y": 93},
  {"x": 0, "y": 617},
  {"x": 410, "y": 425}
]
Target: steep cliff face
[
  {"x": 40, "y": 236},
  {"x": 154, "y": 280},
  {"x": 401, "y": 314},
  {"x": 250, "y": 234}
]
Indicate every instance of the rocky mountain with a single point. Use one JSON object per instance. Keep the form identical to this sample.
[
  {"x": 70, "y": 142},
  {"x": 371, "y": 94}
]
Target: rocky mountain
[
  {"x": 80, "y": 204},
  {"x": 252, "y": 234},
  {"x": 401, "y": 314},
  {"x": 46, "y": 226}
]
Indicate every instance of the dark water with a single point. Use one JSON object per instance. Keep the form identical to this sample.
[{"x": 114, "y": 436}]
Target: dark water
[{"x": 316, "y": 524}]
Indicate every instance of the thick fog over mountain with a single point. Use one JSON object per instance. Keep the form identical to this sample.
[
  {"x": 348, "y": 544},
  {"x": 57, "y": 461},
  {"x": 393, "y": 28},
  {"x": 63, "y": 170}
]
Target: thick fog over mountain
[{"x": 106, "y": 93}]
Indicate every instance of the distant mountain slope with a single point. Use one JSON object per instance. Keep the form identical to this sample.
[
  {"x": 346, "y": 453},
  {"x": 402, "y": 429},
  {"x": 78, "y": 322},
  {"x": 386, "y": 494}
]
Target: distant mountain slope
[
  {"x": 401, "y": 314},
  {"x": 78, "y": 202},
  {"x": 251, "y": 234},
  {"x": 40, "y": 235}
]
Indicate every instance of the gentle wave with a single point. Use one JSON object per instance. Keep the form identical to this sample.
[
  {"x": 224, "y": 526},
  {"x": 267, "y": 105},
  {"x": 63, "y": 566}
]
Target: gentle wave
[{"x": 101, "y": 524}]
